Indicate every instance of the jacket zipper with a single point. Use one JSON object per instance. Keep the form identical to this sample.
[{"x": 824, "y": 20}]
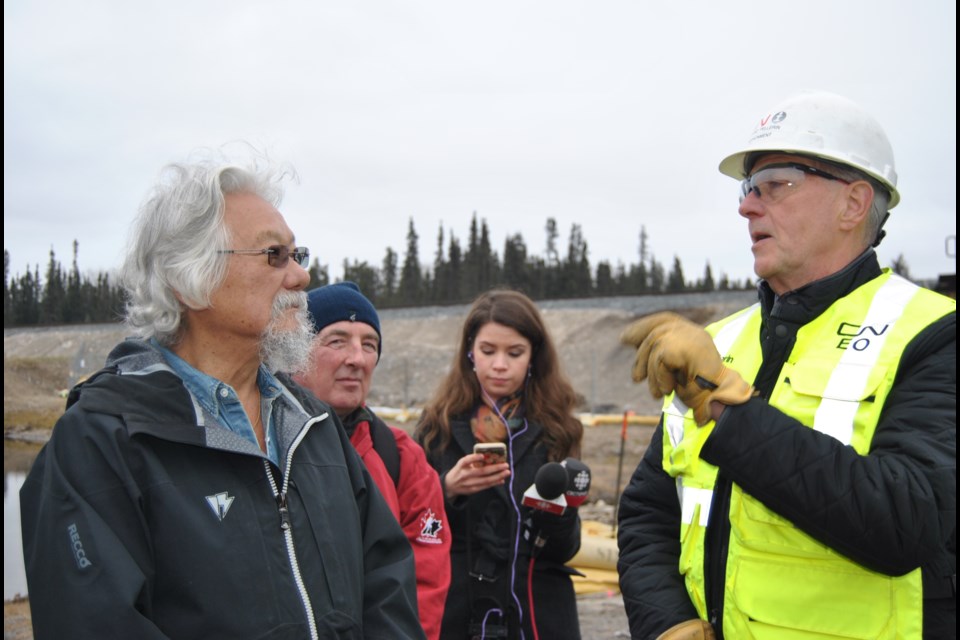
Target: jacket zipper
[{"x": 280, "y": 495}]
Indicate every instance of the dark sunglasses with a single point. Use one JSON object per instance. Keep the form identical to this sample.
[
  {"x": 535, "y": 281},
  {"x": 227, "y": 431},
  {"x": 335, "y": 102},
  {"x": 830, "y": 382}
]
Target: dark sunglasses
[{"x": 278, "y": 255}]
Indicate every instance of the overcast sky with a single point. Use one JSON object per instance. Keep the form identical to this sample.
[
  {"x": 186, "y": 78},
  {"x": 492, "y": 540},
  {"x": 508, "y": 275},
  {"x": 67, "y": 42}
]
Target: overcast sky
[{"x": 608, "y": 114}]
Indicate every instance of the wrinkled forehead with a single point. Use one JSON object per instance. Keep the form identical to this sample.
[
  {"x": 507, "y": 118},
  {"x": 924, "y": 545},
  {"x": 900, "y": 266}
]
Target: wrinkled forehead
[{"x": 249, "y": 217}]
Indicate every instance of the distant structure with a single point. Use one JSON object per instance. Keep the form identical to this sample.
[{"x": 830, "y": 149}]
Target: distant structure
[{"x": 947, "y": 282}]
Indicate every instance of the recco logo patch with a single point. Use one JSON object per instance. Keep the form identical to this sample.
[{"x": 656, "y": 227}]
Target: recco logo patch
[{"x": 77, "y": 546}]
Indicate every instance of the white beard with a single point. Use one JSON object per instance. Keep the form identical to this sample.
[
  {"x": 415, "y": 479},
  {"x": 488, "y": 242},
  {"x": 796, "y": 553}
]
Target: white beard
[{"x": 287, "y": 350}]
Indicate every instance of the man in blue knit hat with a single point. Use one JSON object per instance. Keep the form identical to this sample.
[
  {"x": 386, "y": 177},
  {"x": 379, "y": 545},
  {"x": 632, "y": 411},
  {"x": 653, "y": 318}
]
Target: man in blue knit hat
[{"x": 345, "y": 350}]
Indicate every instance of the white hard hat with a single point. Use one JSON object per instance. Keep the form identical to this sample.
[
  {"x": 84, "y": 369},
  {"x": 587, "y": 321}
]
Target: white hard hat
[{"x": 822, "y": 125}]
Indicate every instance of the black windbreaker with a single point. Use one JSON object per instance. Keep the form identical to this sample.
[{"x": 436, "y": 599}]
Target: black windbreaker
[
  {"x": 891, "y": 511},
  {"x": 144, "y": 518}
]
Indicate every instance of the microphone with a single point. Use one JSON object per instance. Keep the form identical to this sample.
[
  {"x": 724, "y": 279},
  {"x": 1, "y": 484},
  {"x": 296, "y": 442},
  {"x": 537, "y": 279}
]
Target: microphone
[
  {"x": 578, "y": 482},
  {"x": 549, "y": 485}
]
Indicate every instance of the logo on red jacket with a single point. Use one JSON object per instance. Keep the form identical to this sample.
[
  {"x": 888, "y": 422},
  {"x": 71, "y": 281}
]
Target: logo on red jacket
[{"x": 430, "y": 526}]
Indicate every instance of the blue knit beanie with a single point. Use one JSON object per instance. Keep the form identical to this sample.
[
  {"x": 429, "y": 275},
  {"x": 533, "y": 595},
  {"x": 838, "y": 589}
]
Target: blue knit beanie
[{"x": 342, "y": 301}]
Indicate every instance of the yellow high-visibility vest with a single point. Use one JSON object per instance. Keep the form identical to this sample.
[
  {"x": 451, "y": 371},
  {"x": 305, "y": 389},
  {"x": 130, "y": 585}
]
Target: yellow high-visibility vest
[{"x": 780, "y": 583}]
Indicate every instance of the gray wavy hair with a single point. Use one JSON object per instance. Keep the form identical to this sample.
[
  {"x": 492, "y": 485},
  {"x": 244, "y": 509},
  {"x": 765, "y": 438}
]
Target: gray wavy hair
[
  {"x": 173, "y": 261},
  {"x": 873, "y": 227}
]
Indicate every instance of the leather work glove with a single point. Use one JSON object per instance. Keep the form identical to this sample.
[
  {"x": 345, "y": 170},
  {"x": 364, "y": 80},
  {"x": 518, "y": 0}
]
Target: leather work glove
[
  {"x": 689, "y": 630},
  {"x": 677, "y": 355}
]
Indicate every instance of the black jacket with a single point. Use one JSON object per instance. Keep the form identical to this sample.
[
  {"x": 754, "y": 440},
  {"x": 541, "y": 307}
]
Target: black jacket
[
  {"x": 492, "y": 548},
  {"x": 891, "y": 511},
  {"x": 144, "y": 518}
]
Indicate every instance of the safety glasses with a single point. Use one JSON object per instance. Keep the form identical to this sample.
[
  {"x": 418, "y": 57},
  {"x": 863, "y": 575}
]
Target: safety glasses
[
  {"x": 278, "y": 255},
  {"x": 776, "y": 181}
]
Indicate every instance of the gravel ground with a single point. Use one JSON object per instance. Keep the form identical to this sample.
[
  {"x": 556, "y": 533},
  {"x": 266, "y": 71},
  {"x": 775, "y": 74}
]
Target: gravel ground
[{"x": 601, "y": 618}]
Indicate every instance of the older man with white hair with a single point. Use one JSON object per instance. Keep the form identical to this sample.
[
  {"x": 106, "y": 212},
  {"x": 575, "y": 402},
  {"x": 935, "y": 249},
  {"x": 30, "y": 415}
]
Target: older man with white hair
[{"x": 186, "y": 493}]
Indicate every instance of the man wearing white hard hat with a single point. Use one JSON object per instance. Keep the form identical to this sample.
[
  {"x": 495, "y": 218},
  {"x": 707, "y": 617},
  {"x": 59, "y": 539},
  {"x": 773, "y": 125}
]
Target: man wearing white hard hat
[{"x": 802, "y": 480}]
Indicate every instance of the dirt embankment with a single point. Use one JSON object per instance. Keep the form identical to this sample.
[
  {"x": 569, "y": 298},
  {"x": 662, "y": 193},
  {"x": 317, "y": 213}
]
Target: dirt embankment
[{"x": 41, "y": 364}]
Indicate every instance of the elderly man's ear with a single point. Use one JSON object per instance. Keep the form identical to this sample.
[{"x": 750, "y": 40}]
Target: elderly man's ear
[{"x": 859, "y": 199}]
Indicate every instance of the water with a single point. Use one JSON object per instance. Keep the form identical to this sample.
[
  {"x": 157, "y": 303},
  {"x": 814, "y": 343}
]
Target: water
[{"x": 17, "y": 459}]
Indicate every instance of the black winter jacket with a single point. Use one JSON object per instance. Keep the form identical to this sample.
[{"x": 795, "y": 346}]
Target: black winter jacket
[
  {"x": 492, "y": 547},
  {"x": 144, "y": 518},
  {"x": 891, "y": 511}
]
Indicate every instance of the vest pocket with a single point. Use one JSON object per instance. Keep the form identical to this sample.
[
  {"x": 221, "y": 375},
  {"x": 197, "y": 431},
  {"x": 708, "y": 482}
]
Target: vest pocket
[
  {"x": 807, "y": 600},
  {"x": 828, "y": 396},
  {"x": 756, "y": 528}
]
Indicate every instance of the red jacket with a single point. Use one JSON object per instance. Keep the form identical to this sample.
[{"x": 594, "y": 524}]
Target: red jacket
[{"x": 417, "y": 503}]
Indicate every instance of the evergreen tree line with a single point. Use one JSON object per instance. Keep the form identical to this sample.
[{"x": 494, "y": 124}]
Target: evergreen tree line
[
  {"x": 60, "y": 297},
  {"x": 457, "y": 274}
]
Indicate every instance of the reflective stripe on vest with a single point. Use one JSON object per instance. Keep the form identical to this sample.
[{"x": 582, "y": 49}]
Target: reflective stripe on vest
[
  {"x": 836, "y": 412},
  {"x": 690, "y": 499}
]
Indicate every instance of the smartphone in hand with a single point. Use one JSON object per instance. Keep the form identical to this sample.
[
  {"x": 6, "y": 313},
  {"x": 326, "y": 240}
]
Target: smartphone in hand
[{"x": 493, "y": 452}]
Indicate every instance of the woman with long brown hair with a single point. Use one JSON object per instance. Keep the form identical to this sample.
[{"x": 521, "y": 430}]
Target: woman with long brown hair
[{"x": 505, "y": 386}]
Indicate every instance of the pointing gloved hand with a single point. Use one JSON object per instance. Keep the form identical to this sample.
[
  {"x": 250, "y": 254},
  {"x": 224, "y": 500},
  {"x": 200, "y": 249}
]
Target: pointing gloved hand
[
  {"x": 680, "y": 356},
  {"x": 689, "y": 630}
]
